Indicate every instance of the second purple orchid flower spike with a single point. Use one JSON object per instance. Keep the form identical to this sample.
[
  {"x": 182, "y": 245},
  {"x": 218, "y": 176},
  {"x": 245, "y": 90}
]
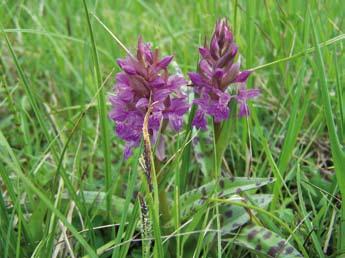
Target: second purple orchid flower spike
[{"x": 217, "y": 70}]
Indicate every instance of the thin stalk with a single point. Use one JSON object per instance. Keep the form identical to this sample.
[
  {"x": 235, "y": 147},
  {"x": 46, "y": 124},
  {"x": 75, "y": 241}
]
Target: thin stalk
[
  {"x": 181, "y": 178},
  {"x": 102, "y": 113},
  {"x": 163, "y": 198},
  {"x": 153, "y": 194},
  {"x": 302, "y": 53}
]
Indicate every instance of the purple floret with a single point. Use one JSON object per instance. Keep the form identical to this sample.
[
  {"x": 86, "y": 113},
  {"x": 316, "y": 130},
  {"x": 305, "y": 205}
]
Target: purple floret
[
  {"x": 242, "y": 97},
  {"x": 218, "y": 69},
  {"x": 142, "y": 78}
]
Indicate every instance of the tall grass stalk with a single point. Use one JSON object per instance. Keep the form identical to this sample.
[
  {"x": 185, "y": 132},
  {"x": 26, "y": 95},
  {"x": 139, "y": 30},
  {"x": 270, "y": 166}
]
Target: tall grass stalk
[
  {"x": 338, "y": 152},
  {"x": 102, "y": 113}
]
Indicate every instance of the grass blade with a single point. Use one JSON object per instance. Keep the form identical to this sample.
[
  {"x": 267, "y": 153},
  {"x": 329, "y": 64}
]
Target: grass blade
[
  {"x": 102, "y": 112},
  {"x": 32, "y": 99},
  {"x": 337, "y": 152},
  {"x": 42, "y": 196},
  {"x": 294, "y": 127},
  {"x": 314, "y": 237}
]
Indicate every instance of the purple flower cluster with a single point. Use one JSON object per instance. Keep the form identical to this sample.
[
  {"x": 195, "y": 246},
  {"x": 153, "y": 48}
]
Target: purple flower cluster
[
  {"x": 218, "y": 69},
  {"x": 145, "y": 78}
]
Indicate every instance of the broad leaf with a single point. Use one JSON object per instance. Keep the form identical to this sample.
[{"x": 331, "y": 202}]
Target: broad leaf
[
  {"x": 263, "y": 241},
  {"x": 234, "y": 216}
]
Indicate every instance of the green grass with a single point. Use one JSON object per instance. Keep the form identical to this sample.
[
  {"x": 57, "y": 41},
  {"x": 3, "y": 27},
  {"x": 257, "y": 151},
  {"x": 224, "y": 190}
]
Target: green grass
[{"x": 66, "y": 190}]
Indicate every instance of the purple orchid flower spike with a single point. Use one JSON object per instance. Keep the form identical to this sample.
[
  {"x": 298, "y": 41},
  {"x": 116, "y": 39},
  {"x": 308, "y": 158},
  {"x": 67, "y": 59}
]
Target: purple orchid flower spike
[
  {"x": 217, "y": 70},
  {"x": 145, "y": 78}
]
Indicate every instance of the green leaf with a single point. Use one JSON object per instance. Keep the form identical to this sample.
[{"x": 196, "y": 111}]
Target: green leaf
[
  {"x": 223, "y": 136},
  {"x": 186, "y": 154},
  {"x": 35, "y": 222},
  {"x": 236, "y": 216},
  {"x": 227, "y": 186},
  {"x": 265, "y": 242},
  {"x": 192, "y": 201}
]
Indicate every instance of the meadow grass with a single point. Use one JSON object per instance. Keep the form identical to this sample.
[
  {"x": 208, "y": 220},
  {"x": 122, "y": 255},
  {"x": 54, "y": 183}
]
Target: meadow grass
[{"x": 274, "y": 179}]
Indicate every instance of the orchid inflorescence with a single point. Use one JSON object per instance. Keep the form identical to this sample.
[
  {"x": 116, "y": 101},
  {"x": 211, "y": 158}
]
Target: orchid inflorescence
[{"x": 145, "y": 80}]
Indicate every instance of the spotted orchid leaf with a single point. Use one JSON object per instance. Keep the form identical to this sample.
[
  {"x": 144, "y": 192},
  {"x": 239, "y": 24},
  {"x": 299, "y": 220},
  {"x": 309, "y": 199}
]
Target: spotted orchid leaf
[
  {"x": 234, "y": 216},
  {"x": 265, "y": 242},
  {"x": 226, "y": 186},
  {"x": 194, "y": 200}
]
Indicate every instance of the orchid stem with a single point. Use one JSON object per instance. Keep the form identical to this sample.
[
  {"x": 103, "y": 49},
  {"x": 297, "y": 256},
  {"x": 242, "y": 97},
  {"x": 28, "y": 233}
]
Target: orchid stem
[{"x": 163, "y": 198}]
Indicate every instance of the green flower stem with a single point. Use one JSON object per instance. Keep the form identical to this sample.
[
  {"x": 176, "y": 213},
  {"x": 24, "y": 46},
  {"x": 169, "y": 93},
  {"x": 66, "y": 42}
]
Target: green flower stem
[
  {"x": 222, "y": 134},
  {"x": 164, "y": 209}
]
